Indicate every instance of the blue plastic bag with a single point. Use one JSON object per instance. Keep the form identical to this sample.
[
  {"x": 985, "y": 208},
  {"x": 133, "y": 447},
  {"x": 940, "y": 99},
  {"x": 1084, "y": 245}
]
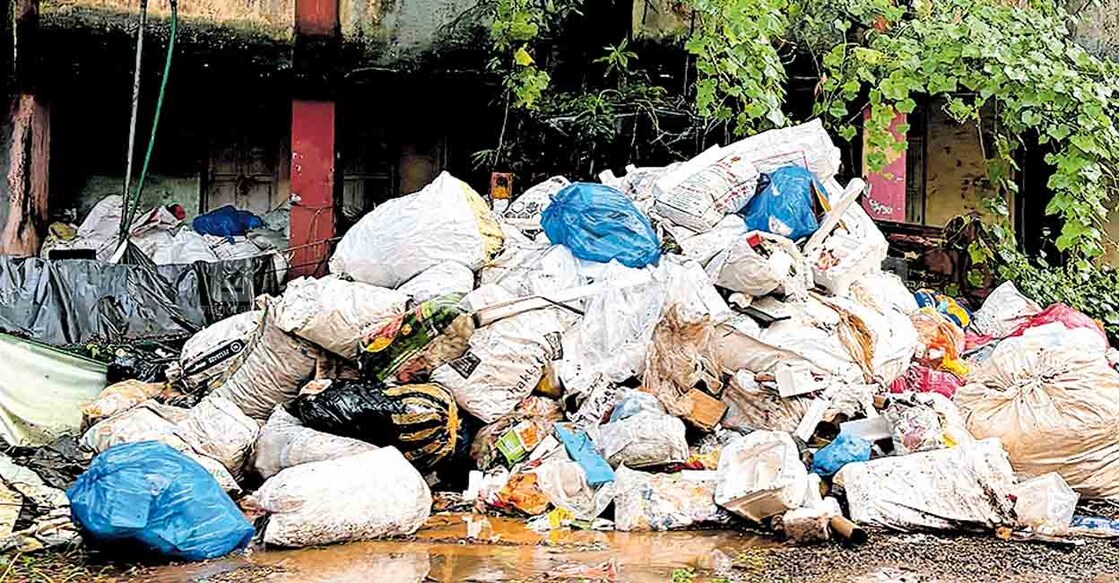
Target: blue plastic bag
[
  {"x": 581, "y": 449},
  {"x": 227, "y": 221},
  {"x": 149, "y": 493},
  {"x": 840, "y": 452},
  {"x": 599, "y": 223},
  {"x": 786, "y": 206}
]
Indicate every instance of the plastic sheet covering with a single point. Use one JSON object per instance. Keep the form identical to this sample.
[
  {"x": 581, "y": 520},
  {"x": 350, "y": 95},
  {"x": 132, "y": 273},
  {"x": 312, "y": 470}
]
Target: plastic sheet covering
[
  {"x": 150, "y": 494},
  {"x": 43, "y": 390},
  {"x": 74, "y": 301}
]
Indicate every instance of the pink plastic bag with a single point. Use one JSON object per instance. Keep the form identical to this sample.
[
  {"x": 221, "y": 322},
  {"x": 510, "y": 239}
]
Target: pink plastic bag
[
  {"x": 1070, "y": 317},
  {"x": 922, "y": 379}
]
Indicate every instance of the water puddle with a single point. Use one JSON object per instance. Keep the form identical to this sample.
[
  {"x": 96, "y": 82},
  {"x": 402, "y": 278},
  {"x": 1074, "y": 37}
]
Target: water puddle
[{"x": 471, "y": 547}]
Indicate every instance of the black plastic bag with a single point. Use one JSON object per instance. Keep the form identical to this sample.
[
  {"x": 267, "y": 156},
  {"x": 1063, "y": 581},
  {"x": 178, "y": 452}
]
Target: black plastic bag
[{"x": 421, "y": 420}]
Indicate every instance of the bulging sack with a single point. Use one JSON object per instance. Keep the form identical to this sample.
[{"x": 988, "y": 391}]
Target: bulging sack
[
  {"x": 150, "y": 494},
  {"x": 449, "y": 277},
  {"x": 700, "y": 192},
  {"x": 407, "y": 347},
  {"x": 1054, "y": 409},
  {"x": 333, "y": 313},
  {"x": 524, "y": 212},
  {"x": 211, "y": 355},
  {"x": 446, "y": 221},
  {"x": 359, "y": 497},
  {"x": 276, "y": 364},
  {"x": 645, "y": 439},
  {"x": 600, "y": 224},
  {"x": 644, "y": 501},
  {"x": 284, "y": 443},
  {"x": 505, "y": 359},
  {"x": 216, "y": 428}
]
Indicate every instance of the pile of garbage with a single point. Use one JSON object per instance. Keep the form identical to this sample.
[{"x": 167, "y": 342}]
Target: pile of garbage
[{"x": 710, "y": 343}]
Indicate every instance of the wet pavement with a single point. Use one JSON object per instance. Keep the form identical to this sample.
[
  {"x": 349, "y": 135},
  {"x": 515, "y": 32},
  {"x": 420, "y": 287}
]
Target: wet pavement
[{"x": 457, "y": 547}]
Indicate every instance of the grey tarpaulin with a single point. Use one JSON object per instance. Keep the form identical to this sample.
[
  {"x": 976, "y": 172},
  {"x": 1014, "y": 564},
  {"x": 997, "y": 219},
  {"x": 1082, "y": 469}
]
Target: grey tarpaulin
[{"x": 72, "y": 301}]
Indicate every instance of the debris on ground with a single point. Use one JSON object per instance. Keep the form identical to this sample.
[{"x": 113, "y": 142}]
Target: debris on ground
[{"x": 708, "y": 344}]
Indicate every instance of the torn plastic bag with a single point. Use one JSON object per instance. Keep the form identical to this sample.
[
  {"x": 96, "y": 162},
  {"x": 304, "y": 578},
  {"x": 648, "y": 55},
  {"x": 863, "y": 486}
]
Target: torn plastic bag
[
  {"x": 683, "y": 356},
  {"x": 358, "y": 497},
  {"x": 761, "y": 475},
  {"x": 1068, "y": 317},
  {"x": 698, "y": 193},
  {"x": 751, "y": 407},
  {"x": 1003, "y": 311},
  {"x": 43, "y": 390},
  {"x": 644, "y": 501},
  {"x": 333, "y": 313},
  {"x": 959, "y": 488},
  {"x": 275, "y": 366},
  {"x": 703, "y": 247},
  {"x": 504, "y": 360},
  {"x": 922, "y": 379},
  {"x": 148, "y": 493},
  {"x": 446, "y": 221},
  {"x": 422, "y": 421},
  {"x": 118, "y": 398},
  {"x": 787, "y": 206},
  {"x": 883, "y": 292},
  {"x": 598, "y": 223},
  {"x": 914, "y": 428},
  {"x": 1054, "y": 409},
  {"x": 637, "y": 183},
  {"x": 284, "y": 442},
  {"x": 407, "y": 347},
  {"x": 581, "y": 449},
  {"x": 449, "y": 277},
  {"x": 209, "y": 356},
  {"x": 759, "y": 264},
  {"x": 74, "y": 301},
  {"x": 848, "y": 253},
  {"x": 524, "y": 212},
  {"x": 643, "y": 440},
  {"x": 612, "y": 339}
]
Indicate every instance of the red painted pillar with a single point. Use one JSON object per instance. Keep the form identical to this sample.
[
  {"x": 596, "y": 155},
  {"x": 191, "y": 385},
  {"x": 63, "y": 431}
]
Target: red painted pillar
[
  {"x": 886, "y": 200},
  {"x": 313, "y": 135}
]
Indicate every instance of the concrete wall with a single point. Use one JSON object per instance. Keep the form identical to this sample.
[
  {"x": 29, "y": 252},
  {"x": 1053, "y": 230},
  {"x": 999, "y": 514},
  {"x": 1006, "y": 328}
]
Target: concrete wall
[
  {"x": 955, "y": 176},
  {"x": 1097, "y": 28},
  {"x": 158, "y": 191}
]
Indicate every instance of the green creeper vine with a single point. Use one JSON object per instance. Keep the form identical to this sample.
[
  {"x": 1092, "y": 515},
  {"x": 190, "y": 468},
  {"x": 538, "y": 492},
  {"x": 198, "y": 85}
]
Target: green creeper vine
[{"x": 516, "y": 24}]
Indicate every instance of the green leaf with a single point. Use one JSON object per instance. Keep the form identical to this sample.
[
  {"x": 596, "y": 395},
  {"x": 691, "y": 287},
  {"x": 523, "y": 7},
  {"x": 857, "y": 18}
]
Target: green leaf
[{"x": 521, "y": 57}]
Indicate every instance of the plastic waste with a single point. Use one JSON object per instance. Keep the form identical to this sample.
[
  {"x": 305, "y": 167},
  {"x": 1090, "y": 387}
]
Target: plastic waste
[
  {"x": 358, "y": 497},
  {"x": 211, "y": 355},
  {"x": 787, "y": 206},
  {"x": 422, "y": 421},
  {"x": 843, "y": 450},
  {"x": 284, "y": 442},
  {"x": 150, "y": 494},
  {"x": 449, "y": 277},
  {"x": 632, "y": 402},
  {"x": 407, "y": 347},
  {"x": 643, "y": 440},
  {"x": 645, "y": 501},
  {"x": 922, "y": 379},
  {"x": 227, "y": 221},
  {"x": 565, "y": 484},
  {"x": 504, "y": 360},
  {"x": 959, "y": 488},
  {"x": 945, "y": 306},
  {"x": 582, "y": 450},
  {"x": 333, "y": 313},
  {"x": 539, "y": 412},
  {"x": 1060, "y": 313},
  {"x": 275, "y": 365},
  {"x": 1074, "y": 435},
  {"x": 697, "y": 194},
  {"x": 855, "y": 248},
  {"x": 759, "y": 264},
  {"x": 446, "y": 221},
  {"x": 1045, "y": 504},
  {"x": 522, "y": 492},
  {"x": 761, "y": 475},
  {"x": 1003, "y": 310},
  {"x": 524, "y": 212},
  {"x": 598, "y": 223},
  {"x": 914, "y": 428}
]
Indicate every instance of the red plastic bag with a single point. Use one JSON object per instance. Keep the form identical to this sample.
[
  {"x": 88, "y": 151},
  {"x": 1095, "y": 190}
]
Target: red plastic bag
[
  {"x": 1070, "y": 317},
  {"x": 922, "y": 379}
]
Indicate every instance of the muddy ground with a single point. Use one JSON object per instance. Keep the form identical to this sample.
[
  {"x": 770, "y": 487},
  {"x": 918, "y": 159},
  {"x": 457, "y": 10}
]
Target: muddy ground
[{"x": 503, "y": 550}]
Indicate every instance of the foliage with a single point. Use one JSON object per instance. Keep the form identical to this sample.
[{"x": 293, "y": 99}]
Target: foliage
[
  {"x": 1015, "y": 64},
  {"x": 516, "y": 25}
]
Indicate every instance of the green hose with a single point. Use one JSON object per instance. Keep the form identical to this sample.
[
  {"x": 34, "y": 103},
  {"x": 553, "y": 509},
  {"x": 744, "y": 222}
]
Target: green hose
[{"x": 130, "y": 207}]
